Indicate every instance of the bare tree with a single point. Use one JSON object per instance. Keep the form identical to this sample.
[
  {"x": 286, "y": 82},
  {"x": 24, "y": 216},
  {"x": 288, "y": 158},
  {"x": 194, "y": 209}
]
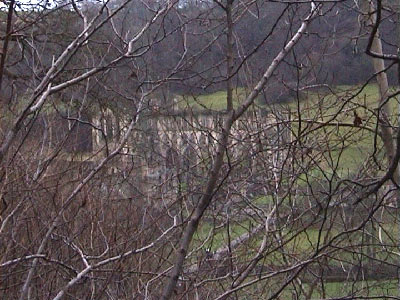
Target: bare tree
[{"x": 144, "y": 154}]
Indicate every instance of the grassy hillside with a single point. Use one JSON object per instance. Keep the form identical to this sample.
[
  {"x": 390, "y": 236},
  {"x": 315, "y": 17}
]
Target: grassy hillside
[
  {"x": 213, "y": 101},
  {"x": 346, "y": 150},
  {"x": 332, "y": 116}
]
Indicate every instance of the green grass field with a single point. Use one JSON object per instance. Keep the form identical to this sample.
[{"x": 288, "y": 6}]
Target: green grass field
[
  {"x": 348, "y": 151},
  {"x": 215, "y": 101}
]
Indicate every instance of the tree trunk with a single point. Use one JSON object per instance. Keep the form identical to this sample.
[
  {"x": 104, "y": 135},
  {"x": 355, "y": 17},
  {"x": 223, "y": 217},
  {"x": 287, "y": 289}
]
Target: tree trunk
[{"x": 369, "y": 12}]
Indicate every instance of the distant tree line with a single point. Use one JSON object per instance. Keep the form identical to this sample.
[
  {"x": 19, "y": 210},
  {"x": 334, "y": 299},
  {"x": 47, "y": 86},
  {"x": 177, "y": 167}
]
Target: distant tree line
[{"x": 333, "y": 53}]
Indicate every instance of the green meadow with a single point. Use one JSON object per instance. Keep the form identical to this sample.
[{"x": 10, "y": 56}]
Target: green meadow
[{"x": 349, "y": 148}]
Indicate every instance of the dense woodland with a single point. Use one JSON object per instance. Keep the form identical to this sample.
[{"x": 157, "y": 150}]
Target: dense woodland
[
  {"x": 199, "y": 149},
  {"x": 333, "y": 52}
]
